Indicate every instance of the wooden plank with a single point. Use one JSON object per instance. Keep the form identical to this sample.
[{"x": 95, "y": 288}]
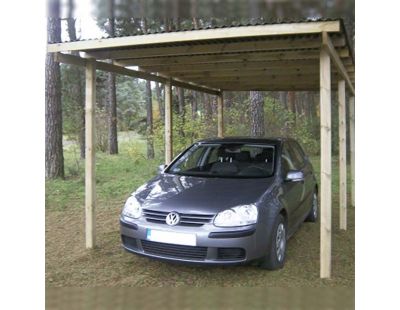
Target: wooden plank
[
  {"x": 216, "y": 48},
  {"x": 352, "y": 148},
  {"x": 327, "y": 43},
  {"x": 257, "y": 77},
  {"x": 342, "y": 155},
  {"x": 168, "y": 122},
  {"x": 258, "y": 56},
  {"x": 348, "y": 62},
  {"x": 193, "y": 86},
  {"x": 249, "y": 72},
  {"x": 69, "y": 59},
  {"x": 220, "y": 102},
  {"x": 90, "y": 179},
  {"x": 129, "y": 72},
  {"x": 75, "y": 60},
  {"x": 257, "y": 65},
  {"x": 326, "y": 162},
  {"x": 272, "y": 88},
  {"x": 200, "y": 35}
]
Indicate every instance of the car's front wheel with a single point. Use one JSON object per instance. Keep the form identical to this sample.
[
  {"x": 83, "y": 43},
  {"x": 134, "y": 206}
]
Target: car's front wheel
[{"x": 275, "y": 258}]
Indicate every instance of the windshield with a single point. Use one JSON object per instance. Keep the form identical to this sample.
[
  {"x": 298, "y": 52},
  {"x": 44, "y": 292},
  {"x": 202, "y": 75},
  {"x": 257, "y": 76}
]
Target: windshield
[{"x": 226, "y": 160}]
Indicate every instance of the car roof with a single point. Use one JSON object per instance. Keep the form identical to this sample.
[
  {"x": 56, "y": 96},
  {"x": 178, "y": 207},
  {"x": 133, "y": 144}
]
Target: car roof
[{"x": 274, "y": 140}]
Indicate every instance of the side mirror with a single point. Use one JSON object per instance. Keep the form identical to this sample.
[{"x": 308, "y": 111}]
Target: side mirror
[
  {"x": 295, "y": 176},
  {"x": 161, "y": 168}
]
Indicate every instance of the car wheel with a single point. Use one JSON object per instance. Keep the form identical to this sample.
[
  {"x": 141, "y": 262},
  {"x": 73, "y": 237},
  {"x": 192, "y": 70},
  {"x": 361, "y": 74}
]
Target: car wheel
[
  {"x": 313, "y": 215},
  {"x": 275, "y": 258}
]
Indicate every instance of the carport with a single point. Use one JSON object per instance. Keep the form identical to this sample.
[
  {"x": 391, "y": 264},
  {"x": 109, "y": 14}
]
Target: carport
[{"x": 294, "y": 56}]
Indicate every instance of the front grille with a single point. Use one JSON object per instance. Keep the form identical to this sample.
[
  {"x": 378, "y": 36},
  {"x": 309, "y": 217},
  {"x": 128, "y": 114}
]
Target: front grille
[
  {"x": 174, "y": 250},
  {"x": 186, "y": 219},
  {"x": 130, "y": 243},
  {"x": 231, "y": 253}
]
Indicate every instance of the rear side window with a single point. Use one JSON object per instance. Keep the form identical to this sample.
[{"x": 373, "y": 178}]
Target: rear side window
[
  {"x": 297, "y": 155},
  {"x": 287, "y": 161}
]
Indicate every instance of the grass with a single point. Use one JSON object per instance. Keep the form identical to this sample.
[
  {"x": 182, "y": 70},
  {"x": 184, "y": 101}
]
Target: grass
[{"x": 69, "y": 264}]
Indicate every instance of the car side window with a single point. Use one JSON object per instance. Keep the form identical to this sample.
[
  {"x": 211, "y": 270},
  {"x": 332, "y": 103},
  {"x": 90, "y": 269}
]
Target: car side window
[
  {"x": 297, "y": 155},
  {"x": 287, "y": 161}
]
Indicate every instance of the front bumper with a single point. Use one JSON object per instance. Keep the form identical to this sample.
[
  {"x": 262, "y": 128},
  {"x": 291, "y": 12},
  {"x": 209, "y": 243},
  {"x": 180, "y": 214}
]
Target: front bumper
[{"x": 214, "y": 245}]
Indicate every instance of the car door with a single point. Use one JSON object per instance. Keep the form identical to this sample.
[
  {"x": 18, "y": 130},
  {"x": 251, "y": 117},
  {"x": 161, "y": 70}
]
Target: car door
[{"x": 292, "y": 191}]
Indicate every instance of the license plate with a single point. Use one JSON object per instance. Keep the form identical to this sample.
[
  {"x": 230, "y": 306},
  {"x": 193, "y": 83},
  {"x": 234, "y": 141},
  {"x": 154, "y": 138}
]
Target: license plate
[{"x": 171, "y": 237}]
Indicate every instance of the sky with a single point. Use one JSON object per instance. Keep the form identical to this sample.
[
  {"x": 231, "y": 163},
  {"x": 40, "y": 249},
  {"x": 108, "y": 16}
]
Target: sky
[{"x": 86, "y": 26}]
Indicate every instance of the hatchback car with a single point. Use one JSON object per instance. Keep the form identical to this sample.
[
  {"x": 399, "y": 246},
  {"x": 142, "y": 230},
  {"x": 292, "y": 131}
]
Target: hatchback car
[{"x": 223, "y": 201}]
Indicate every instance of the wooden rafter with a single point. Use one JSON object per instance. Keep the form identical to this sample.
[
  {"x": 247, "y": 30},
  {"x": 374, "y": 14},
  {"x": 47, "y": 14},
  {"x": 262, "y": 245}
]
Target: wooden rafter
[
  {"x": 215, "y": 48},
  {"x": 328, "y": 45},
  {"x": 231, "y": 57},
  {"x": 75, "y": 60}
]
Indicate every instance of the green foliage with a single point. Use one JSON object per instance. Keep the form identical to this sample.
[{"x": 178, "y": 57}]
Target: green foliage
[
  {"x": 116, "y": 176},
  {"x": 131, "y": 104},
  {"x": 281, "y": 122},
  {"x": 72, "y": 94}
]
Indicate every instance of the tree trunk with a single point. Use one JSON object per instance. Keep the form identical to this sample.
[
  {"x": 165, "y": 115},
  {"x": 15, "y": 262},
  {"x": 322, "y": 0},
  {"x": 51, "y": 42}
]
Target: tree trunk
[
  {"x": 112, "y": 115},
  {"x": 78, "y": 87},
  {"x": 194, "y": 105},
  {"x": 112, "y": 96},
  {"x": 257, "y": 114},
  {"x": 54, "y": 156},
  {"x": 149, "y": 105},
  {"x": 291, "y": 103},
  {"x": 283, "y": 98},
  {"x": 181, "y": 101},
  {"x": 160, "y": 101}
]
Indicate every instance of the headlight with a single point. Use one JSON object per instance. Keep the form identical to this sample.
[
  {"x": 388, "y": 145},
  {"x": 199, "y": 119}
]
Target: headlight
[
  {"x": 132, "y": 208},
  {"x": 237, "y": 216}
]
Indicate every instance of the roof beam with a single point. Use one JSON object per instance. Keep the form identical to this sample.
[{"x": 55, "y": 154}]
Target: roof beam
[
  {"x": 328, "y": 45},
  {"x": 255, "y": 64},
  {"x": 217, "y": 58},
  {"x": 236, "y": 65},
  {"x": 259, "y": 77},
  {"x": 200, "y": 35},
  {"x": 75, "y": 60},
  {"x": 268, "y": 44}
]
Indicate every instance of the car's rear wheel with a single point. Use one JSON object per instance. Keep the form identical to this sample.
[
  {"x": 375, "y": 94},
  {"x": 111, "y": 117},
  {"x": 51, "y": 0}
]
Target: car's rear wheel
[
  {"x": 275, "y": 258},
  {"x": 313, "y": 215}
]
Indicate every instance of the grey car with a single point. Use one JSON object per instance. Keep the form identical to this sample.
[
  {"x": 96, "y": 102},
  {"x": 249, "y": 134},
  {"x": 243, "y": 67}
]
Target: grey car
[{"x": 223, "y": 201}]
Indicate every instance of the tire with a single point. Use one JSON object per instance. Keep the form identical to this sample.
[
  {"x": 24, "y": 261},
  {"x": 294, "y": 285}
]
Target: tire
[
  {"x": 313, "y": 214},
  {"x": 276, "y": 255}
]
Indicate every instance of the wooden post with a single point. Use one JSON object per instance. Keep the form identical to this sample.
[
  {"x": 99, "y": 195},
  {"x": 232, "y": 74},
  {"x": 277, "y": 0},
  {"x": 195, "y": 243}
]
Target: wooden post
[
  {"x": 352, "y": 150},
  {"x": 342, "y": 155},
  {"x": 168, "y": 122},
  {"x": 220, "y": 115},
  {"x": 326, "y": 163},
  {"x": 90, "y": 183}
]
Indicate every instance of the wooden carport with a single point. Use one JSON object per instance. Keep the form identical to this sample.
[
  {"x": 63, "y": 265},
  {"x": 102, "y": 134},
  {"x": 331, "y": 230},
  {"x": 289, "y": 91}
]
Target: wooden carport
[{"x": 292, "y": 56}]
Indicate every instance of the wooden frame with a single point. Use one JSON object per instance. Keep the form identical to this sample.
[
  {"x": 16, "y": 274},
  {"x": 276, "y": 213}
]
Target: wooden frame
[
  {"x": 352, "y": 149},
  {"x": 90, "y": 171},
  {"x": 265, "y": 57},
  {"x": 206, "y": 34},
  {"x": 327, "y": 43},
  {"x": 326, "y": 164},
  {"x": 75, "y": 60},
  {"x": 342, "y": 155}
]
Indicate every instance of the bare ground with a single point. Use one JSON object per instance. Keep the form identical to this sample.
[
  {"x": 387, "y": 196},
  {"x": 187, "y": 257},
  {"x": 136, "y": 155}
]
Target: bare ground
[{"x": 69, "y": 264}]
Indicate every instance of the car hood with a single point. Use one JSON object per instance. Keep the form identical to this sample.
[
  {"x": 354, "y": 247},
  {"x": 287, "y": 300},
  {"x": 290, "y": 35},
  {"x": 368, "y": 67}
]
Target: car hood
[{"x": 200, "y": 195}]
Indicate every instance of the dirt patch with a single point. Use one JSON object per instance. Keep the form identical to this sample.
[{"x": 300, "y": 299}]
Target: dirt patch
[{"x": 68, "y": 263}]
